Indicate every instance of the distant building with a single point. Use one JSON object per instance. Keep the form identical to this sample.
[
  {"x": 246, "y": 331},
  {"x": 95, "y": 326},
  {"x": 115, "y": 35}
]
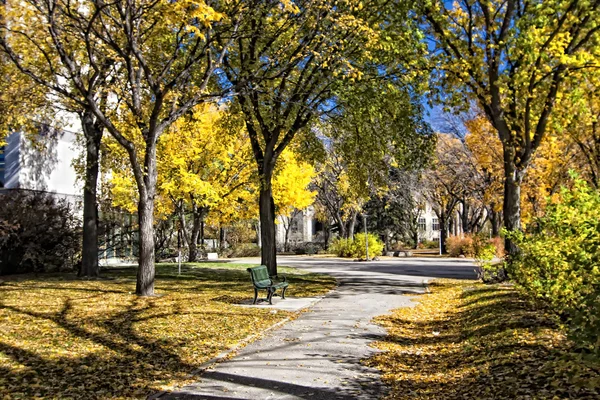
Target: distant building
[{"x": 45, "y": 166}]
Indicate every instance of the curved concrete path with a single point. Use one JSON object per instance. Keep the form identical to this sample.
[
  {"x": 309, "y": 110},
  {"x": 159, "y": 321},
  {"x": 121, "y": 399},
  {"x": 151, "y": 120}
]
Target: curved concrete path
[{"x": 317, "y": 356}]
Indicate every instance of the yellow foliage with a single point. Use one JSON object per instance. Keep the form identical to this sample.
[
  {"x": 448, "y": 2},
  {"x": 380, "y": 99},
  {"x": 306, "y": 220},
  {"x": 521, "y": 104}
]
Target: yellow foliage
[{"x": 290, "y": 184}]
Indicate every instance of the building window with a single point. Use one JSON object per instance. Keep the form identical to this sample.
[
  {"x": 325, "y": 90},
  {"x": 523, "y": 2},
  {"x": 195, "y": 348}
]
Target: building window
[
  {"x": 435, "y": 224},
  {"x": 422, "y": 224}
]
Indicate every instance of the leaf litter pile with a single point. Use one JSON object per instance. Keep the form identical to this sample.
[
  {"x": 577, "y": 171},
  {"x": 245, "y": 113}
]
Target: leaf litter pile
[
  {"x": 65, "y": 338},
  {"x": 466, "y": 340}
]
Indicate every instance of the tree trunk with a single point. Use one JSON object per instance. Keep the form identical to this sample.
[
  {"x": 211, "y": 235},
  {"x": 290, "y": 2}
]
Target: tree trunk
[
  {"x": 266, "y": 206},
  {"x": 288, "y": 228},
  {"x": 89, "y": 255},
  {"x": 201, "y": 238},
  {"x": 339, "y": 222},
  {"x": 196, "y": 225},
  {"x": 352, "y": 225},
  {"x": 512, "y": 198},
  {"x": 145, "y": 275},
  {"x": 443, "y": 233},
  {"x": 465, "y": 217},
  {"x": 494, "y": 221}
]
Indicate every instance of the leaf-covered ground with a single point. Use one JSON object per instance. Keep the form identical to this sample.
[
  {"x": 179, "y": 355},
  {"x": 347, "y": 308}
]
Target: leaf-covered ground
[
  {"x": 465, "y": 340},
  {"x": 61, "y": 337}
]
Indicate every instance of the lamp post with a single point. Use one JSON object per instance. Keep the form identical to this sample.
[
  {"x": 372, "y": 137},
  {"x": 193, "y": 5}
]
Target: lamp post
[{"x": 366, "y": 237}]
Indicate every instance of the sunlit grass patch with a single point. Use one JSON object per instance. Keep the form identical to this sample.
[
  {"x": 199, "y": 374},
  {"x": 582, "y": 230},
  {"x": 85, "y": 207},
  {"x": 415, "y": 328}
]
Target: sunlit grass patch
[
  {"x": 466, "y": 340},
  {"x": 61, "y": 337}
]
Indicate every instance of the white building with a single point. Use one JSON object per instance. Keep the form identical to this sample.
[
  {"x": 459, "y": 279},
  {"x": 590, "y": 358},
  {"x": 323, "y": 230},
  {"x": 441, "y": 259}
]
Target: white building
[{"x": 45, "y": 166}]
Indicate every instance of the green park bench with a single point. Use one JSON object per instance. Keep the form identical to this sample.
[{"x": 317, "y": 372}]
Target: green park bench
[{"x": 261, "y": 280}]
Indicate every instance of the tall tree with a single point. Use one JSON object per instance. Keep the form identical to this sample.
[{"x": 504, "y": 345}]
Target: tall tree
[
  {"x": 291, "y": 192},
  {"x": 512, "y": 58},
  {"x": 446, "y": 182},
  {"x": 29, "y": 104},
  {"x": 286, "y": 66},
  {"x": 160, "y": 55}
]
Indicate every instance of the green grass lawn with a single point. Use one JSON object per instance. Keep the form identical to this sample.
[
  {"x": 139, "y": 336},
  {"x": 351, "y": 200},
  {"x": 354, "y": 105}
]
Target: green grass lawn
[
  {"x": 467, "y": 340},
  {"x": 61, "y": 337}
]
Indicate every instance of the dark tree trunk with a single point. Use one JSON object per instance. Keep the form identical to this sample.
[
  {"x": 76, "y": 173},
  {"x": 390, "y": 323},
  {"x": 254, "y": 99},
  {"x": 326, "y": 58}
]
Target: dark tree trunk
[
  {"x": 145, "y": 274},
  {"x": 89, "y": 255},
  {"x": 198, "y": 217},
  {"x": 495, "y": 220},
  {"x": 222, "y": 238},
  {"x": 288, "y": 228},
  {"x": 465, "y": 217},
  {"x": 266, "y": 206},
  {"x": 512, "y": 198},
  {"x": 339, "y": 222},
  {"x": 201, "y": 238},
  {"x": 443, "y": 233},
  {"x": 326, "y": 233}
]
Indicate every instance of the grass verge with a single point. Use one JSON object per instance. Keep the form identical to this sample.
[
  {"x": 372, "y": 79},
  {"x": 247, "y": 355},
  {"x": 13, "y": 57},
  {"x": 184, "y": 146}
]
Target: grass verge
[
  {"x": 61, "y": 337},
  {"x": 466, "y": 340}
]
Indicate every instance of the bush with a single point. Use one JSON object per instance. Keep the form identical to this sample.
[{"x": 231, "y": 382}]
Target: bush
[
  {"x": 38, "y": 233},
  {"x": 498, "y": 243},
  {"x": 356, "y": 248},
  {"x": 457, "y": 246},
  {"x": 429, "y": 244},
  {"x": 559, "y": 261},
  {"x": 476, "y": 245},
  {"x": 244, "y": 250},
  {"x": 308, "y": 248},
  {"x": 342, "y": 247}
]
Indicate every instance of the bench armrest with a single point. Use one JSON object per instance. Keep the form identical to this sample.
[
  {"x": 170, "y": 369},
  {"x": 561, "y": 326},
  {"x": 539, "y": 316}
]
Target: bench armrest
[{"x": 278, "y": 277}]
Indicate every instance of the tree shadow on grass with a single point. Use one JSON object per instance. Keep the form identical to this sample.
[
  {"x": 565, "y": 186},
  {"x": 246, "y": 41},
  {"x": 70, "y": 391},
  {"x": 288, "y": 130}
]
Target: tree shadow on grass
[
  {"x": 494, "y": 345},
  {"x": 51, "y": 348}
]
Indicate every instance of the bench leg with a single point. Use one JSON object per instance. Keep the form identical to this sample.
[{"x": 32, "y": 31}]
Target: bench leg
[
  {"x": 283, "y": 292},
  {"x": 270, "y": 294},
  {"x": 255, "y": 296}
]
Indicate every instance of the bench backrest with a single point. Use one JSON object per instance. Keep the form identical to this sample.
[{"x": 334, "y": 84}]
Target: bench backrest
[{"x": 260, "y": 276}]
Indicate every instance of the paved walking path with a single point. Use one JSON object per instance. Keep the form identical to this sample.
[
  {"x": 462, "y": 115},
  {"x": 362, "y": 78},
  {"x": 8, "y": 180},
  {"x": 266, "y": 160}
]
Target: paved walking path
[{"x": 317, "y": 356}]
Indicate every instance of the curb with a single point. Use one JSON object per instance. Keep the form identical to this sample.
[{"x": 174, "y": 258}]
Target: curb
[{"x": 230, "y": 352}]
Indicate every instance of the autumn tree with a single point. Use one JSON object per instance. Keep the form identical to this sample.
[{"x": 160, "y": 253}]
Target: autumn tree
[
  {"x": 160, "y": 57},
  {"x": 443, "y": 188},
  {"x": 287, "y": 64},
  {"x": 514, "y": 59},
  {"x": 394, "y": 213},
  {"x": 291, "y": 192},
  {"x": 376, "y": 134},
  {"x": 486, "y": 150},
  {"x": 338, "y": 194},
  {"x": 582, "y": 125},
  {"x": 30, "y": 102}
]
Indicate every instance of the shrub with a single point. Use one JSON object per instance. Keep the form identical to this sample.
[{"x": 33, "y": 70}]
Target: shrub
[
  {"x": 308, "y": 248},
  {"x": 375, "y": 246},
  {"x": 356, "y": 248},
  {"x": 342, "y": 247},
  {"x": 457, "y": 245},
  {"x": 429, "y": 244},
  {"x": 559, "y": 261},
  {"x": 38, "y": 233},
  {"x": 244, "y": 250},
  {"x": 498, "y": 243}
]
